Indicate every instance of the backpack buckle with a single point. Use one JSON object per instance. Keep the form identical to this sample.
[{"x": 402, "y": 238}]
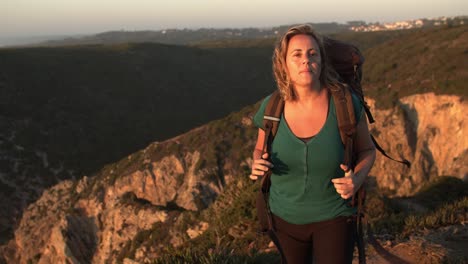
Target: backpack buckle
[{"x": 272, "y": 118}]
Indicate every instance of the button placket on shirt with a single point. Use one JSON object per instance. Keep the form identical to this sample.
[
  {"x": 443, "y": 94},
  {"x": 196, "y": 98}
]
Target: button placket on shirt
[{"x": 305, "y": 167}]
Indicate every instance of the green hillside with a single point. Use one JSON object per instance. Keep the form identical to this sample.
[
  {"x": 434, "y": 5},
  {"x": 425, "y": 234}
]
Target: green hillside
[
  {"x": 433, "y": 60},
  {"x": 400, "y": 63},
  {"x": 89, "y": 105},
  {"x": 66, "y": 112}
]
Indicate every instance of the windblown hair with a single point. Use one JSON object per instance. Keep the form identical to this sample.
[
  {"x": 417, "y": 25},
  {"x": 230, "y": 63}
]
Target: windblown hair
[{"x": 328, "y": 76}]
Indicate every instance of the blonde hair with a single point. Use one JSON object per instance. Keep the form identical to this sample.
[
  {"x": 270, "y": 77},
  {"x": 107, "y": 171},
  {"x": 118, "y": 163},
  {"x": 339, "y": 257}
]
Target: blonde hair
[{"x": 328, "y": 76}]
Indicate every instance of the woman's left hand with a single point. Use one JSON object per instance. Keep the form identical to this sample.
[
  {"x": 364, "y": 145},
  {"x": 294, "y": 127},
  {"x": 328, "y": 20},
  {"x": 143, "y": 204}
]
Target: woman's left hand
[{"x": 347, "y": 185}]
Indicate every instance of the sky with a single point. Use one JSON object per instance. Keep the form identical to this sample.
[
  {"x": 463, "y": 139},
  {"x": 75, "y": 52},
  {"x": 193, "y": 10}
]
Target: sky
[{"x": 26, "y": 18}]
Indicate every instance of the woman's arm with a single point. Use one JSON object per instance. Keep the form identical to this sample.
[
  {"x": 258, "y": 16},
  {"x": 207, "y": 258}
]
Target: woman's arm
[
  {"x": 260, "y": 163},
  {"x": 365, "y": 150}
]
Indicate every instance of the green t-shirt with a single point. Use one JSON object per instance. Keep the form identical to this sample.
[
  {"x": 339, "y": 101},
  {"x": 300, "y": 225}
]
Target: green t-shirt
[{"x": 301, "y": 190}]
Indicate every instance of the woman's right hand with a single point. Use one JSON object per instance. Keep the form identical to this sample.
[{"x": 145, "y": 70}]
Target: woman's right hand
[{"x": 260, "y": 167}]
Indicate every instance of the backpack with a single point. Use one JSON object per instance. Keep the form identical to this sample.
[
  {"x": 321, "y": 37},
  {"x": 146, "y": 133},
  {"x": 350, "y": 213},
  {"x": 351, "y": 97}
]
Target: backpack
[{"x": 347, "y": 61}]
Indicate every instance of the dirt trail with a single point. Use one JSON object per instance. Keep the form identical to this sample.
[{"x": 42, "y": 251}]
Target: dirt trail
[{"x": 444, "y": 245}]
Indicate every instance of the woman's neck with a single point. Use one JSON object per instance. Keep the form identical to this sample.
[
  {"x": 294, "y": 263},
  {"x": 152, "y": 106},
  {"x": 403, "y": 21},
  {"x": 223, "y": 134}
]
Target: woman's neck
[{"x": 309, "y": 93}]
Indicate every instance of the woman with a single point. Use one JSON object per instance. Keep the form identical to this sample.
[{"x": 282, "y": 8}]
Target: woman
[{"x": 310, "y": 188}]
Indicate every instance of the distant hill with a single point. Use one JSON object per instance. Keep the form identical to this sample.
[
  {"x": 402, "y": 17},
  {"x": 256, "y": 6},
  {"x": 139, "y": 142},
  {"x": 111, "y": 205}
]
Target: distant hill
[
  {"x": 114, "y": 97},
  {"x": 427, "y": 60},
  {"x": 195, "y": 36},
  {"x": 65, "y": 112},
  {"x": 189, "y": 36}
]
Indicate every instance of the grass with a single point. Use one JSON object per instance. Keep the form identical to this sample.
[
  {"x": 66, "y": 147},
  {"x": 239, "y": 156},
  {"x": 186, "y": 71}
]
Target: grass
[
  {"x": 190, "y": 256},
  {"x": 447, "y": 214},
  {"x": 444, "y": 198}
]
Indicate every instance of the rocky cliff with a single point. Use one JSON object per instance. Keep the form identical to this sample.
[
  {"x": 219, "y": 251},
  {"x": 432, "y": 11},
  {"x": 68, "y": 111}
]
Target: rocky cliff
[
  {"x": 430, "y": 131},
  {"x": 125, "y": 211}
]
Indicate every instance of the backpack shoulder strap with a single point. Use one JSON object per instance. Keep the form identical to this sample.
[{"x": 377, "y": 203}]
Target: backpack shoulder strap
[
  {"x": 271, "y": 118},
  {"x": 346, "y": 119},
  {"x": 379, "y": 148}
]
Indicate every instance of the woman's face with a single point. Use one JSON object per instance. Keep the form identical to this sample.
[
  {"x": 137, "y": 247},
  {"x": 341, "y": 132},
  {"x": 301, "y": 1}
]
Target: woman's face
[{"x": 303, "y": 60}]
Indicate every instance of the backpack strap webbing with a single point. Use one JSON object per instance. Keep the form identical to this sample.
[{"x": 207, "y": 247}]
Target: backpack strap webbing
[
  {"x": 347, "y": 125},
  {"x": 271, "y": 119},
  {"x": 379, "y": 148},
  {"x": 346, "y": 120},
  {"x": 272, "y": 116},
  {"x": 370, "y": 118}
]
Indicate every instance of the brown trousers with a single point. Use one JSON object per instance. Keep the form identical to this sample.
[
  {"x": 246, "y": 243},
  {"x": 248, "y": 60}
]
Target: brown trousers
[{"x": 327, "y": 242}]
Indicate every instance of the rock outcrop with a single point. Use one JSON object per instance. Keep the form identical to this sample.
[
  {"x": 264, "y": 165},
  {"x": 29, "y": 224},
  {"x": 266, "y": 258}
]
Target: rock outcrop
[
  {"x": 67, "y": 226},
  {"x": 430, "y": 131}
]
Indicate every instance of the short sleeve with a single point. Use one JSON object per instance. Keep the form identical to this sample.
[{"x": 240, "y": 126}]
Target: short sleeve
[{"x": 258, "y": 118}]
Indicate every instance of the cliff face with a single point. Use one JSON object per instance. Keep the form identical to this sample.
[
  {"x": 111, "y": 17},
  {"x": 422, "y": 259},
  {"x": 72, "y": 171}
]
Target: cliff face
[
  {"x": 61, "y": 226},
  {"x": 429, "y": 131},
  {"x": 102, "y": 219}
]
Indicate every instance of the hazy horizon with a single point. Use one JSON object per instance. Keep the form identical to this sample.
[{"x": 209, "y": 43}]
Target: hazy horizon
[{"x": 24, "y": 19}]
